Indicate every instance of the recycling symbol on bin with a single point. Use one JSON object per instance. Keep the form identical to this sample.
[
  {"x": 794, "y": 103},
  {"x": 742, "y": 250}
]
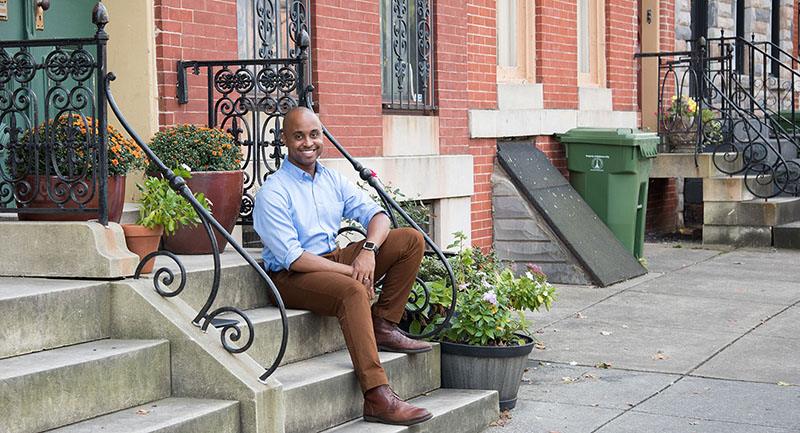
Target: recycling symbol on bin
[{"x": 597, "y": 164}]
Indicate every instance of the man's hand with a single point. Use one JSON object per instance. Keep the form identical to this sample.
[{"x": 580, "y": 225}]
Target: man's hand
[{"x": 364, "y": 271}]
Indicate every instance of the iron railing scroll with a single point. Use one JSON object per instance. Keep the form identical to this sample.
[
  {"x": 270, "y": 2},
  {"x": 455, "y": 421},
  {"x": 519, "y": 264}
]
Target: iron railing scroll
[
  {"x": 745, "y": 120},
  {"x": 53, "y": 140},
  {"x": 229, "y": 329}
]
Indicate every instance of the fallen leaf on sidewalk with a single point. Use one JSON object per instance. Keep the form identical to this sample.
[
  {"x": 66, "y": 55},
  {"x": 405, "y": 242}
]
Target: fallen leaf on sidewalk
[
  {"x": 659, "y": 355},
  {"x": 526, "y": 369},
  {"x": 526, "y": 380},
  {"x": 594, "y": 405},
  {"x": 539, "y": 345},
  {"x": 602, "y": 365},
  {"x": 553, "y": 431},
  {"x": 142, "y": 412},
  {"x": 579, "y": 315},
  {"x": 786, "y": 384},
  {"x": 606, "y": 333}
]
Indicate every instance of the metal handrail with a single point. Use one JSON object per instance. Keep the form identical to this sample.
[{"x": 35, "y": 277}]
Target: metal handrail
[{"x": 204, "y": 318}]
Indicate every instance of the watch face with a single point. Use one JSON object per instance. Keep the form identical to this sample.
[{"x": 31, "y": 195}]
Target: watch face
[{"x": 369, "y": 246}]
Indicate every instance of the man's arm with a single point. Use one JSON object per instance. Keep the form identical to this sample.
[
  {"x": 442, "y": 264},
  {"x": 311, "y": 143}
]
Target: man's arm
[{"x": 364, "y": 264}]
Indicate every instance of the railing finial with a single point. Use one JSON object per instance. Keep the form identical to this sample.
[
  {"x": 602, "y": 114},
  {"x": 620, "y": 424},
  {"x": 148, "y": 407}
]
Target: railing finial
[{"x": 100, "y": 17}]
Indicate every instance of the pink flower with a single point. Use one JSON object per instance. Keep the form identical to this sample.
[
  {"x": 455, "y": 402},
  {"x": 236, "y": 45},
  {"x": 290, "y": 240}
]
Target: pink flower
[
  {"x": 513, "y": 266},
  {"x": 463, "y": 286},
  {"x": 533, "y": 268},
  {"x": 490, "y": 297},
  {"x": 485, "y": 284}
]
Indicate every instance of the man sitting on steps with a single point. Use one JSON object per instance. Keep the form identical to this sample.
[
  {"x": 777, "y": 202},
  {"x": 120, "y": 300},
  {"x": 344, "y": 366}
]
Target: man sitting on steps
[{"x": 297, "y": 213}]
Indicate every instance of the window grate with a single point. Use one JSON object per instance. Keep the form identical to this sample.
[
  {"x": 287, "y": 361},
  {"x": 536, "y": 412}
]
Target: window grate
[{"x": 407, "y": 55}]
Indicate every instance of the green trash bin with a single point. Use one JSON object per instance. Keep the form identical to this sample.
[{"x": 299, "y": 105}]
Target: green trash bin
[{"x": 610, "y": 169}]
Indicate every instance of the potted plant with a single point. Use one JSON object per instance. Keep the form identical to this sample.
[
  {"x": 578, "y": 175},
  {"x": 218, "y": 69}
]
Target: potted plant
[
  {"x": 162, "y": 210},
  {"x": 680, "y": 124},
  {"x": 214, "y": 160},
  {"x": 70, "y": 165},
  {"x": 487, "y": 341}
]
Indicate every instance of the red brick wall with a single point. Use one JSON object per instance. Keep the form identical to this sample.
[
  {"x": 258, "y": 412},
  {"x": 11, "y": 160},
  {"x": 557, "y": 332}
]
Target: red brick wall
[
  {"x": 480, "y": 51},
  {"x": 662, "y": 200},
  {"x": 346, "y": 72},
  {"x": 557, "y": 52},
  {"x": 554, "y": 150},
  {"x": 662, "y": 204},
  {"x": 190, "y": 30},
  {"x": 621, "y": 42}
]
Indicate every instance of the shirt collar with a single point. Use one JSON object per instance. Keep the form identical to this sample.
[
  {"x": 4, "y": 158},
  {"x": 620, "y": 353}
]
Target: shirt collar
[{"x": 298, "y": 173}]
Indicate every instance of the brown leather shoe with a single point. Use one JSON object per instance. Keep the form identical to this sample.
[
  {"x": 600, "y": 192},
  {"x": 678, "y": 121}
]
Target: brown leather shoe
[
  {"x": 382, "y": 405},
  {"x": 390, "y": 339}
]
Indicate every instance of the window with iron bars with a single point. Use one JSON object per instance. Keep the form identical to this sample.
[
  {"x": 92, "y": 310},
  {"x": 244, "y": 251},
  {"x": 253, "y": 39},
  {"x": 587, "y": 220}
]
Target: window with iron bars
[{"x": 407, "y": 55}]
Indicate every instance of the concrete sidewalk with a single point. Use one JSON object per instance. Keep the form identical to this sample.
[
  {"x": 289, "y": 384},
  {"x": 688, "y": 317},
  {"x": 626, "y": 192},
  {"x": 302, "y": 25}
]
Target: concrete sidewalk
[{"x": 708, "y": 341}]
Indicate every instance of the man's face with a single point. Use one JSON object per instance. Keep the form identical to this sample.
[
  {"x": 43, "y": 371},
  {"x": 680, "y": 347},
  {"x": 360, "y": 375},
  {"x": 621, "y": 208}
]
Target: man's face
[{"x": 302, "y": 133}]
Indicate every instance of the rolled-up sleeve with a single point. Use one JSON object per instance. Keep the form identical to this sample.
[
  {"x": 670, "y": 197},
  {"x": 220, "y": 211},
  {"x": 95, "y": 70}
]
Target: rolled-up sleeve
[
  {"x": 357, "y": 204},
  {"x": 272, "y": 220}
]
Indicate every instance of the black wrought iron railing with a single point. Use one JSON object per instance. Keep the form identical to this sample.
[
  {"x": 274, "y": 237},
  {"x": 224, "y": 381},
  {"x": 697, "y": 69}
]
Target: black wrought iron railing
[
  {"x": 248, "y": 99},
  {"x": 53, "y": 135},
  {"x": 229, "y": 329},
  {"x": 746, "y": 120}
]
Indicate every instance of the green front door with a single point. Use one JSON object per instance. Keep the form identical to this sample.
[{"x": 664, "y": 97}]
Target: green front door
[{"x": 63, "y": 19}]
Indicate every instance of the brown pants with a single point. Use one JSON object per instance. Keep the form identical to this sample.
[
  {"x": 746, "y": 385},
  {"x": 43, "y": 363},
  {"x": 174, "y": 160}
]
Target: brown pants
[{"x": 334, "y": 294}]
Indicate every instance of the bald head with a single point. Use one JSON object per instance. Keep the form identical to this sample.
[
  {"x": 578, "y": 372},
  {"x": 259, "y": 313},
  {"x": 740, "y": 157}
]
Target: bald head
[
  {"x": 302, "y": 134},
  {"x": 294, "y": 115}
]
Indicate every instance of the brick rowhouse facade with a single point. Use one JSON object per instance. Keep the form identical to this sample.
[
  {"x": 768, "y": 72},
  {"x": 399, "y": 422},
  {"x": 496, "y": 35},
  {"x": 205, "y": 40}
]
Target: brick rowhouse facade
[{"x": 346, "y": 72}]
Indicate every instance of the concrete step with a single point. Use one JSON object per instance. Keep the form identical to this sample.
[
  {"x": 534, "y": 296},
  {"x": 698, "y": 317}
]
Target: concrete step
[
  {"x": 310, "y": 335},
  {"x": 322, "y": 392},
  {"x": 130, "y": 213},
  {"x": 454, "y": 410},
  {"x": 62, "y": 386},
  {"x": 738, "y": 236},
  {"x": 787, "y": 236},
  {"x": 170, "y": 415},
  {"x": 667, "y": 165},
  {"x": 76, "y": 312},
  {"x": 733, "y": 188},
  {"x": 240, "y": 285},
  {"x": 759, "y": 212}
]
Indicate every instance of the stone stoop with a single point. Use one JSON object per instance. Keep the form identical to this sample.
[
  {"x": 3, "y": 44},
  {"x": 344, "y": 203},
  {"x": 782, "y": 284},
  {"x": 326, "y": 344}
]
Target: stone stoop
[
  {"x": 172, "y": 414},
  {"x": 319, "y": 387},
  {"x": 59, "y": 368},
  {"x": 732, "y": 214},
  {"x": 787, "y": 236}
]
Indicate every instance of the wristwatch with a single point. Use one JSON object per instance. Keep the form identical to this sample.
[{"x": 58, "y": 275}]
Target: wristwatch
[{"x": 370, "y": 246}]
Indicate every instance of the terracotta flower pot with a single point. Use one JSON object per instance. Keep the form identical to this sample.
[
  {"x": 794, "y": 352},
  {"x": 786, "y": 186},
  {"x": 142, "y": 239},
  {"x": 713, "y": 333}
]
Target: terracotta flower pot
[
  {"x": 116, "y": 201},
  {"x": 224, "y": 189},
  {"x": 142, "y": 241}
]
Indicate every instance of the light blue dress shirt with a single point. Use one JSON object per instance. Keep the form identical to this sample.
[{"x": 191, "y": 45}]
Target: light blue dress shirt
[{"x": 295, "y": 213}]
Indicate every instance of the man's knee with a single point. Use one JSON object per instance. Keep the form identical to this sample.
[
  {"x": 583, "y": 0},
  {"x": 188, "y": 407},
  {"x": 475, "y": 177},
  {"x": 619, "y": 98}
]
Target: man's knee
[
  {"x": 413, "y": 238},
  {"x": 352, "y": 292}
]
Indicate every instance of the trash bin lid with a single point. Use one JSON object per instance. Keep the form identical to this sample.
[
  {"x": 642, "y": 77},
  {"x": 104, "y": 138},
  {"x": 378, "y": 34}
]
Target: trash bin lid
[{"x": 647, "y": 142}]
